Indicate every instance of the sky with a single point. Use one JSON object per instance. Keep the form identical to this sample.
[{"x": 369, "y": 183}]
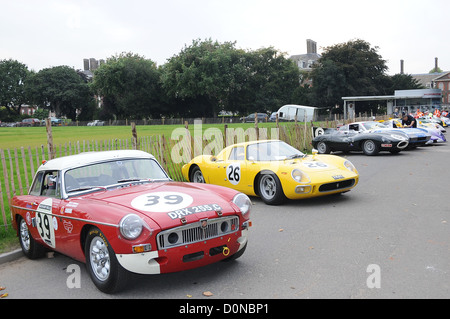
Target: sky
[{"x": 47, "y": 33}]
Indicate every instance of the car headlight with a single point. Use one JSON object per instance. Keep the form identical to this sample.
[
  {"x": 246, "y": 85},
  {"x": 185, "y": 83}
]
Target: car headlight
[
  {"x": 243, "y": 202},
  {"x": 131, "y": 226},
  {"x": 299, "y": 176},
  {"x": 350, "y": 166}
]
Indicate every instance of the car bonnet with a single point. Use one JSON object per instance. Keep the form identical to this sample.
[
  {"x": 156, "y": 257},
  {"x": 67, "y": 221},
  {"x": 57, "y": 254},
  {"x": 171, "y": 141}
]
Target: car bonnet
[{"x": 170, "y": 204}]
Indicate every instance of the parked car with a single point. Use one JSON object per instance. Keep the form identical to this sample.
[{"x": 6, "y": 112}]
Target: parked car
[
  {"x": 55, "y": 121},
  {"x": 96, "y": 123},
  {"x": 119, "y": 212},
  {"x": 30, "y": 122},
  {"x": 262, "y": 117},
  {"x": 273, "y": 117},
  {"x": 370, "y": 143},
  {"x": 274, "y": 171},
  {"x": 417, "y": 137}
]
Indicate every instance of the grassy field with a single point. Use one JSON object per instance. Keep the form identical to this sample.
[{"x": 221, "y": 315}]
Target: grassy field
[{"x": 15, "y": 137}]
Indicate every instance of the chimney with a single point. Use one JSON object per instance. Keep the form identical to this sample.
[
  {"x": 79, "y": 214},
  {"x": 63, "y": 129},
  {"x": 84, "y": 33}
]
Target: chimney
[
  {"x": 402, "y": 67},
  {"x": 86, "y": 64},
  {"x": 311, "y": 46},
  {"x": 436, "y": 64}
]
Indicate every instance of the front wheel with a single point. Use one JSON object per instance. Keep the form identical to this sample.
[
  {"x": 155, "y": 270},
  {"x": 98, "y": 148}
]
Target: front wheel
[
  {"x": 102, "y": 265},
  {"x": 323, "y": 148},
  {"x": 270, "y": 190},
  {"x": 370, "y": 147}
]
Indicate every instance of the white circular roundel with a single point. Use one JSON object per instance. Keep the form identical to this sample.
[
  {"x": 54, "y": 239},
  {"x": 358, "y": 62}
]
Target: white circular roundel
[{"x": 160, "y": 202}]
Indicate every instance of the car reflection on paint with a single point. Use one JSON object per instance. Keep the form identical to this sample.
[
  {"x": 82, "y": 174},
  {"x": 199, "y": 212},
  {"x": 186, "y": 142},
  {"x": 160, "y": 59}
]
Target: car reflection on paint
[{"x": 119, "y": 212}]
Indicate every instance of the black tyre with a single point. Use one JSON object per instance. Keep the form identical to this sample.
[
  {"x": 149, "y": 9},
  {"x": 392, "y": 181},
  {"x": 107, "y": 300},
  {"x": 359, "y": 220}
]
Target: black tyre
[
  {"x": 323, "y": 148},
  {"x": 369, "y": 147},
  {"x": 30, "y": 247},
  {"x": 196, "y": 175},
  {"x": 102, "y": 265},
  {"x": 270, "y": 190}
]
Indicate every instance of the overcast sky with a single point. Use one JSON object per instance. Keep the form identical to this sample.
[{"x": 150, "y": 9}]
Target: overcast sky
[{"x": 47, "y": 33}]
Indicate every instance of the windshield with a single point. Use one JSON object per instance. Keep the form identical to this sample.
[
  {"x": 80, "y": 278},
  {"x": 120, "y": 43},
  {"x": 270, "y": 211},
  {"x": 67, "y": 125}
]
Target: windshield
[
  {"x": 111, "y": 173},
  {"x": 374, "y": 125},
  {"x": 272, "y": 151}
]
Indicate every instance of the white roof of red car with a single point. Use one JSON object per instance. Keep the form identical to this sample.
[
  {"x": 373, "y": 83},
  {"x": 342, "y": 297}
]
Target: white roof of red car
[{"x": 90, "y": 158}]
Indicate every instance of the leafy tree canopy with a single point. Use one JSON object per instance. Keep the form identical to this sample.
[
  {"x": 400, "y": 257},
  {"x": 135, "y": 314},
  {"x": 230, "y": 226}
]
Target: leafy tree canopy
[
  {"x": 348, "y": 69},
  {"x": 13, "y": 76},
  {"x": 59, "y": 89},
  {"x": 129, "y": 86}
]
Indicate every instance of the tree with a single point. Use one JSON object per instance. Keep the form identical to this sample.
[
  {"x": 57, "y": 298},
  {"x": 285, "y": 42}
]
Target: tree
[
  {"x": 13, "y": 76},
  {"x": 348, "y": 69},
  {"x": 59, "y": 89},
  {"x": 272, "y": 80},
  {"x": 208, "y": 76},
  {"x": 402, "y": 82},
  {"x": 203, "y": 76},
  {"x": 129, "y": 86}
]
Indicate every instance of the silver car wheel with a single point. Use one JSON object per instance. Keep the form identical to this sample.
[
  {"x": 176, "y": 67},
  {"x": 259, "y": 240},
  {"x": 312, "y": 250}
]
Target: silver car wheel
[
  {"x": 198, "y": 177},
  {"x": 24, "y": 235},
  {"x": 99, "y": 257},
  {"x": 267, "y": 186}
]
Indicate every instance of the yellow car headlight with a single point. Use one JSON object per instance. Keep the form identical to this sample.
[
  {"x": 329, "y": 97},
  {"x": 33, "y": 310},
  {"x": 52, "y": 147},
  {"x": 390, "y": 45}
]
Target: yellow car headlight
[
  {"x": 350, "y": 167},
  {"x": 299, "y": 176}
]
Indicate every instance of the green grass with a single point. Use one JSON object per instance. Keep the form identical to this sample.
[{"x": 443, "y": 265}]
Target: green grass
[{"x": 16, "y": 137}]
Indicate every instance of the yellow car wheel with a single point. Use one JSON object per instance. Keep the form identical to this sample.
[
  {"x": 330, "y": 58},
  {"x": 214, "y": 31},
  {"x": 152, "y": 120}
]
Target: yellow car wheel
[
  {"x": 196, "y": 175},
  {"x": 270, "y": 189}
]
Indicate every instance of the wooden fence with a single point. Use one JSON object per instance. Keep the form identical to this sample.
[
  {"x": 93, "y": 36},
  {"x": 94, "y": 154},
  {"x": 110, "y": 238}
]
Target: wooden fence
[{"x": 18, "y": 165}]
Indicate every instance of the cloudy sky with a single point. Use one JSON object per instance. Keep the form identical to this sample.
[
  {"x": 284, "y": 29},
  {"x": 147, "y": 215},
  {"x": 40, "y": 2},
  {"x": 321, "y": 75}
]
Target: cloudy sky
[{"x": 46, "y": 33}]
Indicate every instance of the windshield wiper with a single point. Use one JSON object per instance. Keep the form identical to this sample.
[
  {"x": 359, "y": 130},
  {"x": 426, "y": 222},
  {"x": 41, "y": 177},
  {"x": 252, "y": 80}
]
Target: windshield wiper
[
  {"x": 296, "y": 156},
  {"x": 134, "y": 179}
]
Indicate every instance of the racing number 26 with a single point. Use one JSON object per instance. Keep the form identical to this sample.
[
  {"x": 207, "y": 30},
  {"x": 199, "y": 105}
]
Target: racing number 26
[{"x": 234, "y": 173}]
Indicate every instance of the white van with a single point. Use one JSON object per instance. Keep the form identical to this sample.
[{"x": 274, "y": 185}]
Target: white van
[{"x": 290, "y": 111}]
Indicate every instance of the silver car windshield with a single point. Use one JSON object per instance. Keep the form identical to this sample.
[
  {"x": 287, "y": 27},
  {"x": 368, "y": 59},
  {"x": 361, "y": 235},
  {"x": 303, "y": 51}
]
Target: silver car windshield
[{"x": 103, "y": 175}]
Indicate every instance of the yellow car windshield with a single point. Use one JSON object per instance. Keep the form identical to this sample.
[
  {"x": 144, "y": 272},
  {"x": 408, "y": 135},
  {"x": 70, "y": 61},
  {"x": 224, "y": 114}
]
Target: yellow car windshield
[{"x": 272, "y": 151}]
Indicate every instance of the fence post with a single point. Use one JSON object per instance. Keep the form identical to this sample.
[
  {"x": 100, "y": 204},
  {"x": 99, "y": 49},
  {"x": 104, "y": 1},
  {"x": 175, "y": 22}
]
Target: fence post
[
  {"x": 48, "y": 126},
  {"x": 134, "y": 133}
]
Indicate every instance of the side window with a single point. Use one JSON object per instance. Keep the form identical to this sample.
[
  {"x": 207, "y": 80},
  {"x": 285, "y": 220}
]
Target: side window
[
  {"x": 51, "y": 184},
  {"x": 37, "y": 185},
  {"x": 237, "y": 154}
]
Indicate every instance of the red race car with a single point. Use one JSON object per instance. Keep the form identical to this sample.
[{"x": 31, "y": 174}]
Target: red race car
[{"x": 119, "y": 212}]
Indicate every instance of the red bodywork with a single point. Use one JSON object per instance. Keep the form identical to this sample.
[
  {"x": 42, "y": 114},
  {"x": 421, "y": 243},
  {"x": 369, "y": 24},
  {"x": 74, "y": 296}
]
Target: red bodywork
[{"x": 69, "y": 220}]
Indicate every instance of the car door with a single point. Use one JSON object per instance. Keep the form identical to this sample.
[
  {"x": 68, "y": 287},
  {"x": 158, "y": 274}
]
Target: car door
[
  {"x": 229, "y": 171},
  {"x": 45, "y": 201}
]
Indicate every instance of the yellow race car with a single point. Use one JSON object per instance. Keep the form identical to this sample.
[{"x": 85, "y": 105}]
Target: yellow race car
[{"x": 274, "y": 171}]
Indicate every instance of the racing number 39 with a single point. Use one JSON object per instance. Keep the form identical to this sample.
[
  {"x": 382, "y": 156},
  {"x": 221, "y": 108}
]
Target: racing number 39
[
  {"x": 168, "y": 200},
  {"x": 234, "y": 173}
]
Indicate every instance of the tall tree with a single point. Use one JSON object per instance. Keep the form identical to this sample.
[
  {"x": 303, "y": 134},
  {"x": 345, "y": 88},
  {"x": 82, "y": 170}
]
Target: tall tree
[
  {"x": 210, "y": 76},
  {"x": 357, "y": 69},
  {"x": 272, "y": 80},
  {"x": 59, "y": 89},
  {"x": 203, "y": 75},
  {"x": 129, "y": 86},
  {"x": 13, "y": 76}
]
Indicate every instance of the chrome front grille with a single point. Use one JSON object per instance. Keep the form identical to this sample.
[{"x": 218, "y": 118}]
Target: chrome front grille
[{"x": 192, "y": 233}]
